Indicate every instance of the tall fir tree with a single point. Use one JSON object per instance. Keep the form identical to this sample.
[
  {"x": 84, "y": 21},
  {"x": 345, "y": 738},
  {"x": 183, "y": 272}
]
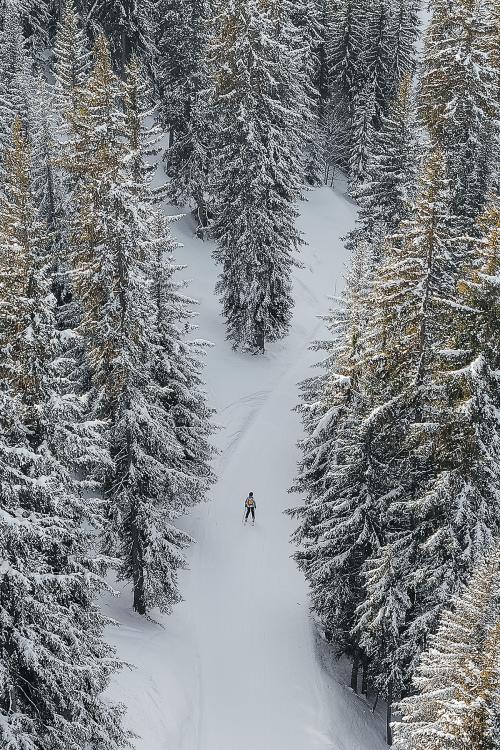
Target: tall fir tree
[
  {"x": 407, "y": 324},
  {"x": 182, "y": 83},
  {"x": 257, "y": 169},
  {"x": 371, "y": 47},
  {"x": 339, "y": 522},
  {"x": 129, "y": 26},
  {"x": 15, "y": 67},
  {"x": 55, "y": 664},
  {"x": 158, "y": 432},
  {"x": 458, "y": 680},
  {"x": 459, "y": 99},
  {"x": 387, "y": 193},
  {"x": 71, "y": 60}
]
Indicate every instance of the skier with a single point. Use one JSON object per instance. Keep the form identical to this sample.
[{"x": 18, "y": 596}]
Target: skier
[{"x": 250, "y": 506}]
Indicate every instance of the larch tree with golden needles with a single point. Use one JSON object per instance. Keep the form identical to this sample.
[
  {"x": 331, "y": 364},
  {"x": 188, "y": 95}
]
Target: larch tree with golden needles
[
  {"x": 55, "y": 665},
  {"x": 119, "y": 236},
  {"x": 457, "y": 703},
  {"x": 71, "y": 62},
  {"x": 459, "y": 100},
  {"x": 402, "y": 334}
]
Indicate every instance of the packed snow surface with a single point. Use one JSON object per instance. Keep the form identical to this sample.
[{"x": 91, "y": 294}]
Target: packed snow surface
[{"x": 238, "y": 665}]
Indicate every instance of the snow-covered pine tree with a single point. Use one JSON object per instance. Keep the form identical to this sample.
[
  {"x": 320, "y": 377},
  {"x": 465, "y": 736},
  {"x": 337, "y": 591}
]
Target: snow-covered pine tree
[
  {"x": 407, "y": 325},
  {"x": 458, "y": 680},
  {"x": 71, "y": 60},
  {"x": 405, "y": 33},
  {"x": 34, "y": 17},
  {"x": 71, "y": 67},
  {"x": 129, "y": 27},
  {"x": 386, "y": 195},
  {"x": 378, "y": 56},
  {"x": 151, "y": 543},
  {"x": 339, "y": 520},
  {"x": 345, "y": 44},
  {"x": 55, "y": 664},
  {"x": 306, "y": 16},
  {"x": 257, "y": 169},
  {"x": 158, "y": 432},
  {"x": 93, "y": 152},
  {"x": 459, "y": 97},
  {"x": 324, "y": 148},
  {"x": 362, "y": 132},
  {"x": 182, "y": 82},
  {"x": 371, "y": 46},
  {"x": 15, "y": 71}
]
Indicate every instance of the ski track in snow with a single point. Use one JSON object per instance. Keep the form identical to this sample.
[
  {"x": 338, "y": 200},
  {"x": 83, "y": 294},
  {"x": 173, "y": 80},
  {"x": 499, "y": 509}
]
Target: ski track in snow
[{"x": 236, "y": 666}]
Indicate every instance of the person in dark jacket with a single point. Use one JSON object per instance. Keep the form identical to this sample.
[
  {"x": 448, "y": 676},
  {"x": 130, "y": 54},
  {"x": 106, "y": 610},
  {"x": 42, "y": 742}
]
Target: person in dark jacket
[{"x": 250, "y": 506}]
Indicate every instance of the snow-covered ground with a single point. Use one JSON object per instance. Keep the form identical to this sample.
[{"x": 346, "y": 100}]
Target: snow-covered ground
[{"x": 236, "y": 667}]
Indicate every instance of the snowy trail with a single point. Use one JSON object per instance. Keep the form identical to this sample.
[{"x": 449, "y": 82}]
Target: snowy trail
[{"x": 235, "y": 667}]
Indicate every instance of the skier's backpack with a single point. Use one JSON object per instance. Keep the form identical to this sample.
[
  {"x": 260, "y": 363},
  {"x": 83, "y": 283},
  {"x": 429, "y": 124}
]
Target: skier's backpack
[{"x": 250, "y": 502}]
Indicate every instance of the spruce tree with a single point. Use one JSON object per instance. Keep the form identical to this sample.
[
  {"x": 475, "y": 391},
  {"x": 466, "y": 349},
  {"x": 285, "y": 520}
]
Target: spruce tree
[
  {"x": 406, "y": 28},
  {"x": 144, "y": 378},
  {"x": 339, "y": 521},
  {"x": 387, "y": 194},
  {"x": 129, "y": 27},
  {"x": 345, "y": 45},
  {"x": 458, "y": 680},
  {"x": 362, "y": 130},
  {"x": 71, "y": 60},
  {"x": 15, "y": 71},
  {"x": 406, "y": 326},
  {"x": 459, "y": 96},
  {"x": 151, "y": 543},
  {"x": 182, "y": 82},
  {"x": 55, "y": 664},
  {"x": 256, "y": 172},
  {"x": 371, "y": 47}
]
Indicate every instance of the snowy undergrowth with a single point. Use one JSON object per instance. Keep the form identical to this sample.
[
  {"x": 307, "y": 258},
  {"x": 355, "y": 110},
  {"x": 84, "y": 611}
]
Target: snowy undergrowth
[{"x": 236, "y": 666}]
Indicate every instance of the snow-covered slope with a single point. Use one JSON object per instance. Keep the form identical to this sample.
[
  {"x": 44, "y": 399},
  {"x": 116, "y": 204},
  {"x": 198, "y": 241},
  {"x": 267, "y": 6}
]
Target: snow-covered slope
[{"x": 236, "y": 666}]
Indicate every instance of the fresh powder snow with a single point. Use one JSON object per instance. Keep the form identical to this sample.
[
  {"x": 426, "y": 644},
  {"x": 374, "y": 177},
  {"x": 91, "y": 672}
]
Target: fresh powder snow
[{"x": 239, "y": 665}]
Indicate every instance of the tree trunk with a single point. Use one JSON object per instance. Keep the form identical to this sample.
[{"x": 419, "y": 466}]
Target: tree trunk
[
  {"x": 364, "y": 681},
  {"x": 201, "y": 213},
  {"x": 138, "y": 573},
  {"x": 389, "y": 717},
  {"x": 355, "y": 671}
]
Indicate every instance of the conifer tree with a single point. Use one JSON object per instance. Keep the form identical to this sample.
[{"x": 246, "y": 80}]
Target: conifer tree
[
  {"x": 339, "y": 521},
  {"x": 182, "y": 82},
  {"x": 306, "y": 16},
  {"x": 406, "y": 28},
  {"x": 378, "y": 57},
  {"x": 444, "y": 511},
  {"x": 386, "y": 195},
  {"x": 183, "y": 452},
  {"x": 15, "y": 69},
  {"x": 129, "y": 27},
  {"x": 144, "y": 378},
  {"x": 257, "y": 170},
  {"x": 407, "y": 324},
  {"x": 362, "y": 129},
  {"x": 458, "y": 680},
  {"x": 371, "y": 47},
  {"x": 345, "y": 45},
  {"x": 71, "y": 60},
  {"x": 459, "y": 95},
  {"x": 55, "y": 664}
]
